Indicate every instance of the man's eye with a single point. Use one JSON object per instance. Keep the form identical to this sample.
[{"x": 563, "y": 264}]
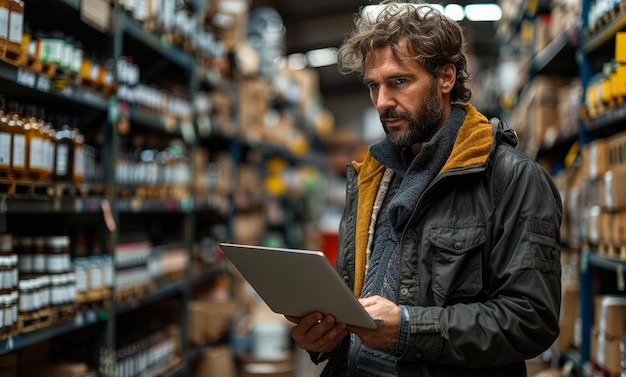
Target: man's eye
[
  {"x": 373, "y": 85},
  {"x": 399, "y": 81}
]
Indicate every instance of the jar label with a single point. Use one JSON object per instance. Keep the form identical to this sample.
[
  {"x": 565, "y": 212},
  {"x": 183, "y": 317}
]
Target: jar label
[
  {"x": 62, "y": 161},
  {"x": 19, "y": 150},
  {"x": 4, "y": 23},
  {"x": 16, "y": 25},
  {"x": 5, "y": 146},
  {"x": 36, "y": 155}
]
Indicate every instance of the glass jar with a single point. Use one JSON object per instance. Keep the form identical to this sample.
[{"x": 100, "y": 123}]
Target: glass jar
[
  {"x": 39, "y": 255},
  {"x": 24, "y": 250},
  {"x": 27, "y": 292},
  {"x": 16, "y": 25},
  {"x": 57, "y": 253},
  {"x": 18, "y": 141}
]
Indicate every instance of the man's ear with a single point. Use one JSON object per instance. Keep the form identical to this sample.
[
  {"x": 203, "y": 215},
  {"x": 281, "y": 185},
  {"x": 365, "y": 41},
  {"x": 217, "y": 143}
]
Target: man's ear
[{"x": 447, "y": 78}]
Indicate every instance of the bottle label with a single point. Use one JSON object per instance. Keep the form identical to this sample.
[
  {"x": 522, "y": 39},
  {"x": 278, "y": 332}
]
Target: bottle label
[
  {"x": 16, "y": 24},
  {"x": 78, "y": 162},
  {"x": 5, "y": 148},
  {"x": 62, "y": 160},
  {"x": 55, "y": 50},
  {"x": 36, "y": 153},
  {"x": 4, "y": 23},
  {"x": 19, "y": 149}
]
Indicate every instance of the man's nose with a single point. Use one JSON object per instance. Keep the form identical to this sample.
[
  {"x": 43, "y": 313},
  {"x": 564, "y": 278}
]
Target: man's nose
[{"x": 384, "y": 99}]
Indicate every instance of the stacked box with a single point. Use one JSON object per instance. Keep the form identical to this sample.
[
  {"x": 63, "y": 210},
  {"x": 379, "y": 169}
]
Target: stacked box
[
  {"x": 254, "y": 97},
  {"x": 609, "y": 332}
]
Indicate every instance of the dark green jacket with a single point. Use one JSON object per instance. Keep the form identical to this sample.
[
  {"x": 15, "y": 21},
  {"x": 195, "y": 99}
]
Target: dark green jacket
[{"x": 479, "y": 265}]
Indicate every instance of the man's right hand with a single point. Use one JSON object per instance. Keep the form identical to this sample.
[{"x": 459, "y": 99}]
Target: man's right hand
[{"x": 317, "y": 332}]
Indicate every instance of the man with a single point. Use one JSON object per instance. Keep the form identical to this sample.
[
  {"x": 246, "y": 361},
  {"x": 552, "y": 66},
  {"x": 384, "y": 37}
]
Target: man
[{"x": 449, "y": 235}]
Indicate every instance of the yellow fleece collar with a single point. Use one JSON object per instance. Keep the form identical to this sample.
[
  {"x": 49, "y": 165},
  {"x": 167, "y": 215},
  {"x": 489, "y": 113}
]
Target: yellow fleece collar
[{"x": 472, "y": 147}]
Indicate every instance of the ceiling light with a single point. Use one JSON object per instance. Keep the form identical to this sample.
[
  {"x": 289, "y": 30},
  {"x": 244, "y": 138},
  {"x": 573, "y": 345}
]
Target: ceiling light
[
  {"x": 322, "y": 57},
  {"x": 455, "y": 12},
  {"x": 371, "y": 12},
  {"x": 483, "y": 12},
  {"x": 296, "y": 61}
]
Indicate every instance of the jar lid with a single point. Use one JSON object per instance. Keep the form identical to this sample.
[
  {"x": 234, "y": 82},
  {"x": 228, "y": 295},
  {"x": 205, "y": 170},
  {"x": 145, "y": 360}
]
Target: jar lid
[
  {"x": 6, "y": 242},
  {"x": 24, "y": 241},
  {"x": 58, "y": 241}
]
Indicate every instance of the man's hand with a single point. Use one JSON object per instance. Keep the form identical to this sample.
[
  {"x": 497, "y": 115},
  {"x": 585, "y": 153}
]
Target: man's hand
[
  {"x": 388, "y": 314},
  {"x": 317, "y": 332}
]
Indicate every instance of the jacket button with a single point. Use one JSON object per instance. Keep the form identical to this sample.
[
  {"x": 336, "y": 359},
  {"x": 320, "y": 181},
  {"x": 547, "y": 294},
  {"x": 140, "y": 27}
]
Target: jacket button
[
  {"x": 404, "y": 291},
  {"x": 457, "y": 245},
  {"x": 346, "y": 279}
]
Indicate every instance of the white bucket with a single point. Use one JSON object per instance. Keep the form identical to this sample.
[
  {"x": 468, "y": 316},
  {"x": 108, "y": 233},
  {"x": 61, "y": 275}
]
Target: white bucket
[{"x": 270, "y": 340}]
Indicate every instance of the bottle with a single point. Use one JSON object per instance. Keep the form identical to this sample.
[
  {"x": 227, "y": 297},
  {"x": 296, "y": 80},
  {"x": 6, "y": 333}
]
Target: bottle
[
  {"x": 64, "y": 151},
  {"x": 47, "y": 148},
  {"x": 16, "y": 25},
  {"x": 18, "y": 143},
  {"x": 5, "y": 141},
  {"x": 78, "y": 169},
  {"x": 34, "y": 144}
]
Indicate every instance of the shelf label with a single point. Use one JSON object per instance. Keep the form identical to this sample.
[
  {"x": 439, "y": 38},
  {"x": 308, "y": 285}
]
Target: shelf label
[
  {"x": 43, "y": 83},
  {"x": 26, "y": 78}
]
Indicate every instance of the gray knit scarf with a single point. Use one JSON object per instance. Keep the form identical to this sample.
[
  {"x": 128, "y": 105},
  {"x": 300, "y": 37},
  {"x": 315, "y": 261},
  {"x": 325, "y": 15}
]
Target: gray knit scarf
[{"x": 382, "y": 271}]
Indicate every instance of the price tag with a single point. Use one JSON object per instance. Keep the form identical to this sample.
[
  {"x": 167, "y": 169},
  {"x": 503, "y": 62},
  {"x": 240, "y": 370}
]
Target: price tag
[
  {"x": 26, "y": 78},
  {"x": 43, "y": 83}
]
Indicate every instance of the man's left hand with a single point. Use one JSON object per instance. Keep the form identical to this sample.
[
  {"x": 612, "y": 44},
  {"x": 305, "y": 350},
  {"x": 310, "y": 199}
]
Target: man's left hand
[{"x": 388, "y": 314}]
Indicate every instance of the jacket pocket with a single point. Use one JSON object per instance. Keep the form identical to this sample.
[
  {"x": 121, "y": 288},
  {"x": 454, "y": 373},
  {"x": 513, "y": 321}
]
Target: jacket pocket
[{"x": 457, "y": 263}]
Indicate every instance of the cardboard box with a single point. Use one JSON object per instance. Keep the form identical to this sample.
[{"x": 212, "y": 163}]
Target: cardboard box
[
  {"x": 216, "y": 361},
  {"x": 618, "y": 81},
  {"x": 611, "y": 318},
  {"x": 613, "y": 195},
  {"x": 251, "y": 367},
  {"x": 618, "y": 228},
  {"x": 609, "y": 354},
  {"x": 209, "y": 320},
  {"x": 596, "y": 156},
  {"x": 617, "y": 149},
  {"x": 620, "y": 47}
]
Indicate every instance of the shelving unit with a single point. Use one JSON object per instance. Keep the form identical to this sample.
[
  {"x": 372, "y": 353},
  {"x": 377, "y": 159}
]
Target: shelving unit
[
  {"x": 581, "y": 50},
  {"x": 108, "y": 207},
  {"x": 169, "y": 181}
]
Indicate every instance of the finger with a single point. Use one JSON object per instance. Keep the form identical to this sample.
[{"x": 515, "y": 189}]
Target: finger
[
  {"x": 328, "y": 330},
  {"x": 293, "y": 319}
]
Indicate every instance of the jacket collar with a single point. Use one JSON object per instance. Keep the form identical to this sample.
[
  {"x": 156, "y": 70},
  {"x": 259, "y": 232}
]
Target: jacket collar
[{"x": 473, "y": 145}]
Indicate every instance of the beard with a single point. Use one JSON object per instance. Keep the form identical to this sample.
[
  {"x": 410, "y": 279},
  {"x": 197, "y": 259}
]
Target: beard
[{"x": 422, "y": 124}]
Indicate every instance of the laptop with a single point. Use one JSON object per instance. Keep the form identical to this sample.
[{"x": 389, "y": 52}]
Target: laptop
[{"x": 297, "y": 282}]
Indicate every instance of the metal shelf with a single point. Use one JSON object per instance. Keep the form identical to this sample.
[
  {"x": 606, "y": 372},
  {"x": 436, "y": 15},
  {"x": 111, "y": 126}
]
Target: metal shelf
[
  {"x": 151, "y": 40},
  {"x": 82, "y": 320},
  {"x": 37, "y": 84},
  {"x": 604, "y": 35},
  {"x": 606, "y": 263}
]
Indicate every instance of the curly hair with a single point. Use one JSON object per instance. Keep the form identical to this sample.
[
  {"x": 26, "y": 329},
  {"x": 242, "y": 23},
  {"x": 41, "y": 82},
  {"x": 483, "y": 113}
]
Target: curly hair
[{"x": 431, "y": 38}]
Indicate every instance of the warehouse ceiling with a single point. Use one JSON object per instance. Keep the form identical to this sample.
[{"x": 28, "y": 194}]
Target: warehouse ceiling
[{"x": 319, "y": 24}]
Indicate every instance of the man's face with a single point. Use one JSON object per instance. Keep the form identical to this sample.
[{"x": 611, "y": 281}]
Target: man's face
[{"x": 406, "y": 96}]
